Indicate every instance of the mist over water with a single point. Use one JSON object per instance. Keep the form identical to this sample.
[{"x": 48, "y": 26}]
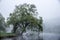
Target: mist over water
[
  {"x": 52, "y": 25},
  {"x": 52, "y": 29}
]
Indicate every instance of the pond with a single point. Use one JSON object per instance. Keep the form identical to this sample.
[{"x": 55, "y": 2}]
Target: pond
[
  {"x": 51, "y": 36},
  {"x": 26, "y": 36},
  {"x": 43, "y": 36}
]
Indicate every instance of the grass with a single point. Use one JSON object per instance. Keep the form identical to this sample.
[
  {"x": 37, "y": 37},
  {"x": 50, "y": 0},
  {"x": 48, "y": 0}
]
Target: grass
[{"x": 3, "y": 35}]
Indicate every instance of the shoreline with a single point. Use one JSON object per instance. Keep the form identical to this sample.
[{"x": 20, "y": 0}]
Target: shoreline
[{"x": 7, "y": 35}]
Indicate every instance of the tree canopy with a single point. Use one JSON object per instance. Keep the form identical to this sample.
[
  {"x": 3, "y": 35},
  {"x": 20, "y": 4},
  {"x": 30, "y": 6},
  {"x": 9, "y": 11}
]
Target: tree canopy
[
  {"x": 25, "y": 17},
  {"x": 2, "y": 23}
]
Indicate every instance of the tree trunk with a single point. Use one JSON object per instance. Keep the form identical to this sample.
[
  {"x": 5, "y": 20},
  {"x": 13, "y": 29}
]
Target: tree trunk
[{"x": 15, "y": 28}]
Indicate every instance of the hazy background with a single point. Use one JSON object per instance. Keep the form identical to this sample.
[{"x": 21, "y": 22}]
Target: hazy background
[{"x": 48, "y": 9}]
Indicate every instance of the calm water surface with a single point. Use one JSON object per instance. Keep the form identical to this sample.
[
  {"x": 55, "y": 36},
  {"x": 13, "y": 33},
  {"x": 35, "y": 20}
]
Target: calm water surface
[{"x": 46, "y": 36}]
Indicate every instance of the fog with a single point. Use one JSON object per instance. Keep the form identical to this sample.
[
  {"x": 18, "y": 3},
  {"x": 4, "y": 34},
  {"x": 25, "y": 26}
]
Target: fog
[{"x": 48, "y": 9}]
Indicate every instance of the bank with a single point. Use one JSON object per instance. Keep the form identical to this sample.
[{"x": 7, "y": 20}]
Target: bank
[{"x": 7, "y": 35}]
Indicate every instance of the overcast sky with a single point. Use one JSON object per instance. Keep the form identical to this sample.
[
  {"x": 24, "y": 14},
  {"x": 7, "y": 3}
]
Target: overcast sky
[{"x": 46, "y": 8}]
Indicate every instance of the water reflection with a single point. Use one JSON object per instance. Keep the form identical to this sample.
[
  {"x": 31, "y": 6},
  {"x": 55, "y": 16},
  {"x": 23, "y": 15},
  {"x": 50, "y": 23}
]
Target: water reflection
[
  {"x": 26, "y": 36},
  {"x": 46, "y": 36},
  {"x": 19, "y": 38}
]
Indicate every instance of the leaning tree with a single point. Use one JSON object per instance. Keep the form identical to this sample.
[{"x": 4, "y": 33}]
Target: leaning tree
[{"x": 25, "y": 17}]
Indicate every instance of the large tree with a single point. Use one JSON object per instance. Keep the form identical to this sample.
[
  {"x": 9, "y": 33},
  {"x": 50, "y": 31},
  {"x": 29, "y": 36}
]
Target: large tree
[
  {"x": 2, "y": 23},
  {"x": 25, "y": 17}
]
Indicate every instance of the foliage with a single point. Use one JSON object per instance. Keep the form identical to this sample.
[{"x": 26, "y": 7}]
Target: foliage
[
  {"x": 25, "y": 17},
  {"x": 2, "y": 23}
]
